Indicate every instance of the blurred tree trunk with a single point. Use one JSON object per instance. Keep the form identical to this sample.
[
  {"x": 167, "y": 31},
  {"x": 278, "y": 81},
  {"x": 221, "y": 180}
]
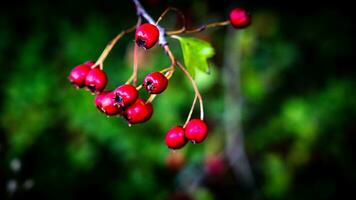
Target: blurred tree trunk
[{"x": 234, "y": 146}]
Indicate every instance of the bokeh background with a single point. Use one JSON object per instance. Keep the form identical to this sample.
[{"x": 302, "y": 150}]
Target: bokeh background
[{"x": 280, "y": 103}]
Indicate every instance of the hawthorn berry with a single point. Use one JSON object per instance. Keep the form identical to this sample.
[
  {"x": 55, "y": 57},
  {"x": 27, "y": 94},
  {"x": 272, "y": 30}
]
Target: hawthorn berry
[
  {"x": 138, "y": 112},
  {"x": 175, "y": 138},
  {"x": 240, "y": 18},
  {"x": 96, "y": 80},
  {"x": 146, "y": 35},
  {"x": 125, "y": 95},
  {"x": 155, "y": 82},
  {"x": 106, "y": 103},
  {"x": 196, "y": 130},
  {"x": 79, "y": 73}
]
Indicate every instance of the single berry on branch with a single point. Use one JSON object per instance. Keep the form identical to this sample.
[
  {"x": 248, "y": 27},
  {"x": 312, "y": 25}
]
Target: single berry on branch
[
  {"x": 96, "y": 80},
  {"x": 240, "y": 18},
  {"x": 155, "y": 83},
  {"x": 125, "y": 95},
  {"x": 196, "y": 130},
  {"x": 146, "y": 36},
  {"x": 138, "y": 112},
  {"x": 175, "y": 138},
  {"x": 106, "y": 103}
]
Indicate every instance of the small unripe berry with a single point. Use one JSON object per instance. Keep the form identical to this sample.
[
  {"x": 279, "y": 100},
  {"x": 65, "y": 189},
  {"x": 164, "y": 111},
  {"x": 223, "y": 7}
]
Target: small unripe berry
[
  {"x": 125, "y": 95},
  {"x": 96, "y": 80},
  {"x": 138, "y": 112},
  {"x": 79, "y": 73},
  {"x": 196, "y": 130},
  {"x": 240, "y": 18},
  {"x": 155, "y": 82},
  {"x": 106, "y": 103},
  {"x": 175, "y": 138},
  {"x": 146, "y": 35}
]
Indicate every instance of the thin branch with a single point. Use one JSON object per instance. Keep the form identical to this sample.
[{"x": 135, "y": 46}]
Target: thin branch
[
  {"x": 109, "y": 46},
  {"x": 180, "y": 15},
  {"x": 195, "y": 87},
  {"x": 199, "y": 29},
  {"x": 191, "y": 111}
]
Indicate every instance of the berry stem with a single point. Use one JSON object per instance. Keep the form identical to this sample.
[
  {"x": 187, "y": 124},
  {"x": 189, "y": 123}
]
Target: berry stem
[
  {"x": 151, "y": 98},
  {"x": 199, "y": 29},
  {"x": 195, "y": 87},
  {"x": 191, "y": 111},
  {"x": 109, "y": 46},
  {"x": 176, "y": 11},
  {"x": 135, "y": 64}
]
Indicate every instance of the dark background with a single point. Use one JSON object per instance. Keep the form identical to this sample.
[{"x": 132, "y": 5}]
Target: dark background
[{"x": 297, "y": 104}]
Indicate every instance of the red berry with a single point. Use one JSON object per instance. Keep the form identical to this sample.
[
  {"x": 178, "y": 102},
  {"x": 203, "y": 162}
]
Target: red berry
[
  {"x": 96, "y": 80},
  {"x": 146, "y": 35},
  {"x": 79, "y": 73},
  {"x": 196, "y": 130},
  {"x": 175, "y": 138},
  {"x": 214, "y": 165},
  {"x": 125, "y": 95},
  {"x": 175, "y": 160},
  {"x": 99, "y": 98},
  {"x": 138, "y": 112},
  {"x": 240, "y": 18},
  {"x": 155, "y": 82},
  {"x": 106, "y": 103}
]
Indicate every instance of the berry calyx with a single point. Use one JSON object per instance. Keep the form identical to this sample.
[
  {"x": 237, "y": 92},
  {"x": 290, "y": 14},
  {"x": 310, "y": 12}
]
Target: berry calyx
[
  {"x": 196, "y": 130},
  {"x": 96, "y": 80},
  {"x": 106, "y": 103},
  {"x": 125, "y": 95},
  {"x": 155, "y": 82},
  {"x": 78, "y": 74},
  {"x": 138, "y": 112},
  {"x": 175, "y": 138},
  {"x": 146, "y": 35},
  {"x": 240, "y": 18}
]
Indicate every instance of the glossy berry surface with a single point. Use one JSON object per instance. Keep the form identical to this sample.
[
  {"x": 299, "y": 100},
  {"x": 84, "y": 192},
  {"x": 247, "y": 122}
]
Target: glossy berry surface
[
  {"x": 79, "y": 73},
  {"x": 240, "y": 18},
  {"x": 175, "y": 138},
  {"x": 106, "y": 103},
  {"x": 125, "y": 95},
  {"x": 196, "y": 130},
  {"x": 96, "y": 80},
  {"x": 99, "y": 98},
  {"x": 138, "y": 112},
  {"x": 155, "y": 83},
  {"x": 146, "y": 35}
]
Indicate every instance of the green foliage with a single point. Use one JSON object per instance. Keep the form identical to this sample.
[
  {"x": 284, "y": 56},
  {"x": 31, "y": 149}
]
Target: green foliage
[{"x": 196, "y": 53}]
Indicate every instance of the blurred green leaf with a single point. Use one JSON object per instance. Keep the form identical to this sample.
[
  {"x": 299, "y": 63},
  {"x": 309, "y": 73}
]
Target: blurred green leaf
[{"x": 196, "y": 52}]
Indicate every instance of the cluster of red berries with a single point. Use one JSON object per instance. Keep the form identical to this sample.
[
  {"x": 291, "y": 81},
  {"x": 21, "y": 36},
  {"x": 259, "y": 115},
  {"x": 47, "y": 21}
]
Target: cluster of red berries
[{"x": 124, "y": 101}]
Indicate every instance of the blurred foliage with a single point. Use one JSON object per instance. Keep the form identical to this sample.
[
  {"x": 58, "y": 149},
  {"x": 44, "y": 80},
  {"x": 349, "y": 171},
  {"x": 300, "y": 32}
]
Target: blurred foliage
[{"x": 297, "y": 89}]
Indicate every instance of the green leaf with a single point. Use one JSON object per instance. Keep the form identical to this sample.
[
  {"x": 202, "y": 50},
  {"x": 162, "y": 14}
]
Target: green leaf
[{"x": 195, "y": 53}]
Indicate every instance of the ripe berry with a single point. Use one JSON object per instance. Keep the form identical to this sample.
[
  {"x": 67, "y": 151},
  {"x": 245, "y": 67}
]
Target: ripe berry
[
  {"x": 79, "y": 73},
  {"x": 125, "y": 95},
  {"x": 96, "y": 80},
  {"x": 106, "y": 103},
  {"x": 155, "y": 82},
  {"x": 214, "y": 165},
  {"x": 138, "y": 112},
  {"x": 196, "y": 130},
  {"x": 175, "y": 138},
  {"x": 146, "y": 35},
  {"x": 240, "y": 18}
]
